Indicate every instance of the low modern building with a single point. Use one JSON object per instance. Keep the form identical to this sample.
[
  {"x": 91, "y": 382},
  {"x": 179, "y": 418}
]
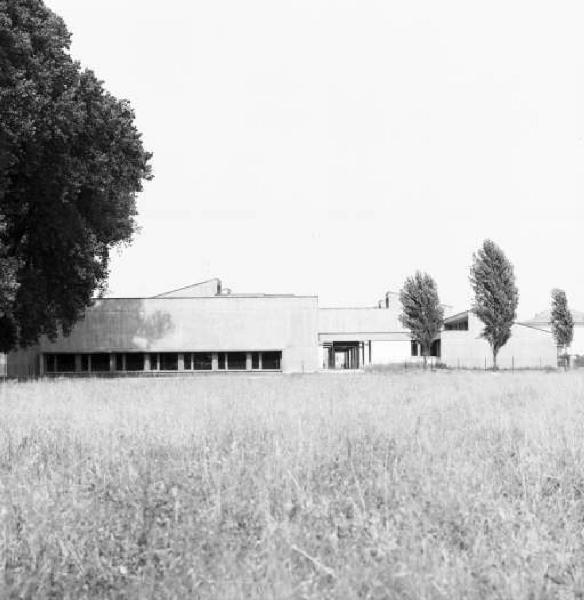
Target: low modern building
[
  {"x": 542, "y": 320},
  {"x": 207, "y": 328},
  {"x": 462, "y": 346}
]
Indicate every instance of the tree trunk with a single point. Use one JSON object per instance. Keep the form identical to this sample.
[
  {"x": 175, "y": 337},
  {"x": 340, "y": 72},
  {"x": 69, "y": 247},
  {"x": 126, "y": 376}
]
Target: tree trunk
[
  {"x": 495, "y": 367},
  {"x": 425, "y": 357}
]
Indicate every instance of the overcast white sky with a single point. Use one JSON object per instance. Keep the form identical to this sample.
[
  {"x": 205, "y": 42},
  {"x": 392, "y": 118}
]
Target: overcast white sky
[{"x": 332, "y": 147}]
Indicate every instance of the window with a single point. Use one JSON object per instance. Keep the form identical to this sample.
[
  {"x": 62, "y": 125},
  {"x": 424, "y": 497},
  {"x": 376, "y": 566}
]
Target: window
[
  {"x": 65, "y": 362},
  {"x": 236, "y": 361},
  {"x": 460, "y": 325},
  {"x": 187, "y": 361},
  {"x": 134, "y": 361},
  {"x": 50, "y": 363},
  {"x": 100, "y": 362},
  {"x": 119, "y": 362},
  {"x": 271, "y": 360},
  {"x": 154, "y": 362},
  {"x": 202, "y": 361},
  {"x": 434, "y": 348},
  {"x": 168, "y": 361},
  {"x": 85, "y": 362},
  {"x": 60, "y": 363},
  {"x": 221, "y": 360},
  {"x": 255, "y": 360}
]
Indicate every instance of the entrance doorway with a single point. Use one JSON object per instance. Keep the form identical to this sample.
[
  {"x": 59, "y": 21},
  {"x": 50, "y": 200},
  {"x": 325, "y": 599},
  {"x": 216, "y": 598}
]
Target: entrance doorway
[{"x": 342, "y": 355}]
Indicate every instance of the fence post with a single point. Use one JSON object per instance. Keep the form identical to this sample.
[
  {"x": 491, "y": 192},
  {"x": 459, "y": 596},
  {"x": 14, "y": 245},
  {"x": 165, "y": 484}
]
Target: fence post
[
  {"x": 513, "y": 363},
  {"x": 485, "y": 363}
]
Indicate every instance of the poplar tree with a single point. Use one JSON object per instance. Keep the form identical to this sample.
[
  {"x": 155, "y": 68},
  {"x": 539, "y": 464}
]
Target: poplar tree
[
  {"x": 422, "y": 313},
  {"x": 562, "y": 322},
  {"x": 496, "y": 296}
]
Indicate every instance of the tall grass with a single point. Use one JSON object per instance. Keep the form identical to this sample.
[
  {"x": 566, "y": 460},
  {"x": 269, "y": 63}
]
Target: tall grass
[{"x": 415, "y": 485}]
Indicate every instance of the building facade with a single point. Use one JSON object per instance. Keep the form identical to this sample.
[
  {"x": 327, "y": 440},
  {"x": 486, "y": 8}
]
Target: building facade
[
  {"x": 463, "y": 347},
  {"x": 206, "y": 328},
  {"x": 543, "y": 320}
]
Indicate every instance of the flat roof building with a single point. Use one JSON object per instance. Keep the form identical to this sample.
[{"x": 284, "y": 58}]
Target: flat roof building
[{"x": 206, "y": 328}]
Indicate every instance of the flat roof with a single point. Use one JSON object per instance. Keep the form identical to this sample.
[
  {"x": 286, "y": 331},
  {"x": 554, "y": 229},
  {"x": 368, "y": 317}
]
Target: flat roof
[
  {"x": 353, "y": 308},
  {"x": 216, "y": 297}
]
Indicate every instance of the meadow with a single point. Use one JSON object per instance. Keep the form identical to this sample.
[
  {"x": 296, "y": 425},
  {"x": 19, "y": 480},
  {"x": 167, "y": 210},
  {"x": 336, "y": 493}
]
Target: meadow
[{"x": 390, "y": 485}]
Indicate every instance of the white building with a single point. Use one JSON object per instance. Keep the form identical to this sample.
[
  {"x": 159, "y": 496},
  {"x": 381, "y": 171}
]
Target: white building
[
  {"x": 206, "y": 328},
  {"x": 543, "y": 321}
]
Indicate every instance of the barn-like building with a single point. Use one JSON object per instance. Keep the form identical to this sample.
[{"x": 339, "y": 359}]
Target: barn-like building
[{"x": 207, "y": 328}]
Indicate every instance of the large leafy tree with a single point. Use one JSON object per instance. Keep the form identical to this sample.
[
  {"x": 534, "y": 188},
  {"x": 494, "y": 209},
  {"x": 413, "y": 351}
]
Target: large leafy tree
[
  {"x": 562, "y": 321},
  {"x": 496, "y": 295},
  {"x": 422, "y": 312},
  {"x": 71, "y": 164}
]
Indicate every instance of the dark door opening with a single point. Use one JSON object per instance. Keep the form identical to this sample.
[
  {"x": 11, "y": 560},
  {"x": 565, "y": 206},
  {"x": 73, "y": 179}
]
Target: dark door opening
[{"x": 342, "y": 355}]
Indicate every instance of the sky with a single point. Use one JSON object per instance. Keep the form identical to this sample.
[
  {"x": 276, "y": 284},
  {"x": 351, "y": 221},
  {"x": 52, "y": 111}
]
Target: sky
[{"x": 331, "y": 147}]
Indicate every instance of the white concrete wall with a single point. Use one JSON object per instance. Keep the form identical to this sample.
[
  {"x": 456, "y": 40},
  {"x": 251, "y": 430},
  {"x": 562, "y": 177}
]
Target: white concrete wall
[
  {"x": 358, "y": 323},
  {"x": 222, "y": 323},
  {"x": 577, "y": 346},
  {"x": 527, "y": 348},
  {"x": 391, "y": 352}
]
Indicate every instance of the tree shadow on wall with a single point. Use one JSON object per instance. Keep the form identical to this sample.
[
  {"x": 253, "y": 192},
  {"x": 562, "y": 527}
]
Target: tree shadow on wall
[{"x": 128, "y": 322}]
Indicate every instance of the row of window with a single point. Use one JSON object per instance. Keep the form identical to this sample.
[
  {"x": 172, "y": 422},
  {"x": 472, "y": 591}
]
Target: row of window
[
  {"x": 434, "y": 348},
  {"x": 162, "y": 361},
  {"x": 460, "y": 325}
]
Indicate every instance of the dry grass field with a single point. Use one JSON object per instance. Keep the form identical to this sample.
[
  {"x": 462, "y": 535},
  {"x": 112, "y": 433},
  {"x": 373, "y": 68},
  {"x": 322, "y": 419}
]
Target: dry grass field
[{"x": 396, "y": 485}]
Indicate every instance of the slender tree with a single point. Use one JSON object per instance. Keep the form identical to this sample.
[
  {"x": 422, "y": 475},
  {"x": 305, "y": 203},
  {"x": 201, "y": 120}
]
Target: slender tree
[
  {"x": 422, "y": 313},
  {"x": 496, "y": 295},
  {"x": 562, "y": 323},
  {"x": 71, "y": 164}
]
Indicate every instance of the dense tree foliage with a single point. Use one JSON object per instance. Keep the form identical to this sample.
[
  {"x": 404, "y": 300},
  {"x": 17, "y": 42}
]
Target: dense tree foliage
[
  {"x": 496, "y": 295},
  {"x": 562, "y": 321},
  {"x": 71, "y": 163},
  {"x": 422, "y": 313}
]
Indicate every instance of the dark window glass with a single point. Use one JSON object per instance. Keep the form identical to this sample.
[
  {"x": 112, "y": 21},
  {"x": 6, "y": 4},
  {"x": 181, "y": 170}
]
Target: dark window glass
[
  {"x": 435, "y": 349},
  {"x": 255, "y": 360},
  {"x": 202, "y": 361},
  {"x": 100, "y": 362},
  {"x": 168, "y": 361},
  {"x": 134, "y": 361},
  {"x": 85, "y": 362},
  {"x": 414, "y": 348},
  {"x": 65, "y": 363},
  {"x": 221, "y": 360},
  {"x": 50, "y": 365},
  {"x": 154, "y": 362},
  {"x": 236, "y": 361},
  {"x": 188, "y": 361},
  {"x": 461, "y": 325},
  {"x": 271, "y": 360},
  {"x": 119, "y": 362}
]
